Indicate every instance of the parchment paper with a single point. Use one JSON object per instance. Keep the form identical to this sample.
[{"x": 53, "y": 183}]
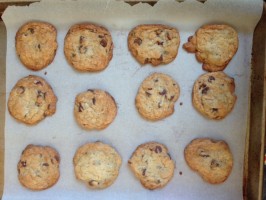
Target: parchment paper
[{"x": 122, "y": 79}]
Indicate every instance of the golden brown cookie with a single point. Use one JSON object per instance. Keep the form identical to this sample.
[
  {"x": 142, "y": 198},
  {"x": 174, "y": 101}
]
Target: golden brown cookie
[
  {"x": 157, "y": 96},
  {"x": 31, "y": 100},
  {"x": 154, "y": 43},
  {"x": 97, "y": 164},
  {"x": 212, "y": 159},
  {"x": 152, "y": 165},
  {"x": 38, "y": 168},
  {"x": 214, "y": 46},
  {"x": 36, "y": 44},
  {"x": 95, "y": 109},
  {"x": 213, "y": 95},
  {"x": 88, "y": 47}
]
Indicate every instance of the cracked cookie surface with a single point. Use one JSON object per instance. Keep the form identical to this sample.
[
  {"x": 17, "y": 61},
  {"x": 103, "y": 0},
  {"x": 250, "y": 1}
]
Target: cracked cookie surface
[
  {"x": 157, "y": 96},
  {"x": 213, "y": 95},
  {"x": 95, "y": 109},
  {"x": 88, "y": 47},
  {"x": 152, "y": 165},
  {"x": 154, "y": 43},
  {"x": 97, "y": 164},
  {"x": 36, "y": 44},
  {"x": 31, "y": 100},
  {"x": 38, "y": 167},
  {"x": 214, "y": 46},
  {"x": 212, "y": 159}
]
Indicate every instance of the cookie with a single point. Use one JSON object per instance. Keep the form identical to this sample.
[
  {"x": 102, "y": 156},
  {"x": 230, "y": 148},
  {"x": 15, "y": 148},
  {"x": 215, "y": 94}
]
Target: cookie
[
  {"x": 88, "y": 47},
  {"x": 211, "y": 159},
  {"x": 157, "y": 96},
  {"x": 154, "y": 43},
  {"x": 214, "y": 46},
  {"x": 38, "y": 167},
  {"x": 213, "y": 95},
  {"x": 36, "y": 44},
  {"x": 152, "y": 165},
  {"x": 95, "y": 109},
  {"x": 97, "y": 164},
  {"x": 31, "y": 100}
]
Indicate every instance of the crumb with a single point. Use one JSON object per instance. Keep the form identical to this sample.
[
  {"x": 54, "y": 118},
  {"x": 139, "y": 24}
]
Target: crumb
[
  {"x": 45, "y": 73},
  {"x": 180, "y": 173},
  {"x": 181, "y": 103}
]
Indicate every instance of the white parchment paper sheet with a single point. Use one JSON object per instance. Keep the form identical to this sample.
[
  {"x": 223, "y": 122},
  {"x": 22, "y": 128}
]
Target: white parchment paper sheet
[{"x": 122, "y": 79}]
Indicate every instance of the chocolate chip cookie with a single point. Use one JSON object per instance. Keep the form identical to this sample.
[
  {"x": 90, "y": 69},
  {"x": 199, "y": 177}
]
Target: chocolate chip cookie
[
  {"x": 157, "y": 96},
  {"x": 88, "y": 47},
  {"x": 154, "y": 43},
  {"x": 213, "y": 95},
  {"x": 97, "y": 164},
  {"x": 36, "y": 44},
  {"x": 38, "y": 167},
  {"x": 152, "y": 165},
  {"x": 214, "y": 46},
  {"x": 31, "y": 100},
  {"x": 95, "y": 109},
  {"x": 212, "y": 159}
]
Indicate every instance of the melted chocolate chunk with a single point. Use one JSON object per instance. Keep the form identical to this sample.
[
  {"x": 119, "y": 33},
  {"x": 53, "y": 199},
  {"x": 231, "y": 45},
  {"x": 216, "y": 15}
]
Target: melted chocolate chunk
[
  {"x": 143, "y": 172},
  {"x": 147, "y": 93},
  {"x": 80, "y": 107},
  {"x": 138, "y": 41},
  {"x": 158, "y": 149},
  {"x": 159, "y": 43},
  {"x": 23, "y": 163},
  {"x": 205, "y": 90},
  {"x": 163, "y": 92},
  {"x": 210, "y": 79},
  {"x": 103, "y": 43},
  {"x": 45, "y": 164},
  {"x": 93, "y": 100}
]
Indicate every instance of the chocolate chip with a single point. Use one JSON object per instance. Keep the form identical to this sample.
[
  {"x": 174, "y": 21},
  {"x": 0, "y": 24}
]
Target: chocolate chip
[
  {"x": 23, "y": 163},
  {"x": 214, "y": 109},
  {"x": 31, "y": 30},
  {"x": 80, "y": 107},
  {"x": 41, "y": 94},
  {"x": 52, "y": 161},
  {"x": 158, "y": 32},
  {"x": 168, "y": 36},
  {"x": 159, "y": 43},
  {"x": 100, "y": 36},
  {"x": 147, "y": 60},
  {"x": 205, "y": 90},
  {"x": 210, "y": 79},
  {"x": 138, "y": 41},
  {"x": 147, "y": 93},
  {"x": 156, "y": 80},
  {"x": 81, "y": 39},
  {"x": 159, "y": 105},
  {"x": 45, "y": 164},
  {"x": 82, "y": 49},
  {"x": 158, "y": 149},
  {"x": 57, "y": 158},
  {"x": 73, "y": 55},
  {"x": 39, "y": 46},
  {"x": 90, "y": 90},
  {"x": 103, "y": 43},
  {"x": 161, "y": 58},
  {"x": 129, "y": 162},
  {"x": 163, "y": 92},
  {"x": 38, "y": 83},
  {"x": 203, "y": 154},
  {"x": 158, "y": 181},
  {"x": 143, "y": 172},
  {"x": 149, "y": 88},
  {"x": 214, "y": 163},
  {"x": 171, "y": 98},
  {"x": 93, "y": 100},
  {"x": 203, "y": 85}
]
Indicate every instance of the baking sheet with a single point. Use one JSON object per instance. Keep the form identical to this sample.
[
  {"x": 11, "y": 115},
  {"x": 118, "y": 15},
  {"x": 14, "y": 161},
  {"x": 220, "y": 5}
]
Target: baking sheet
[{"x": 122, "y": 79}]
